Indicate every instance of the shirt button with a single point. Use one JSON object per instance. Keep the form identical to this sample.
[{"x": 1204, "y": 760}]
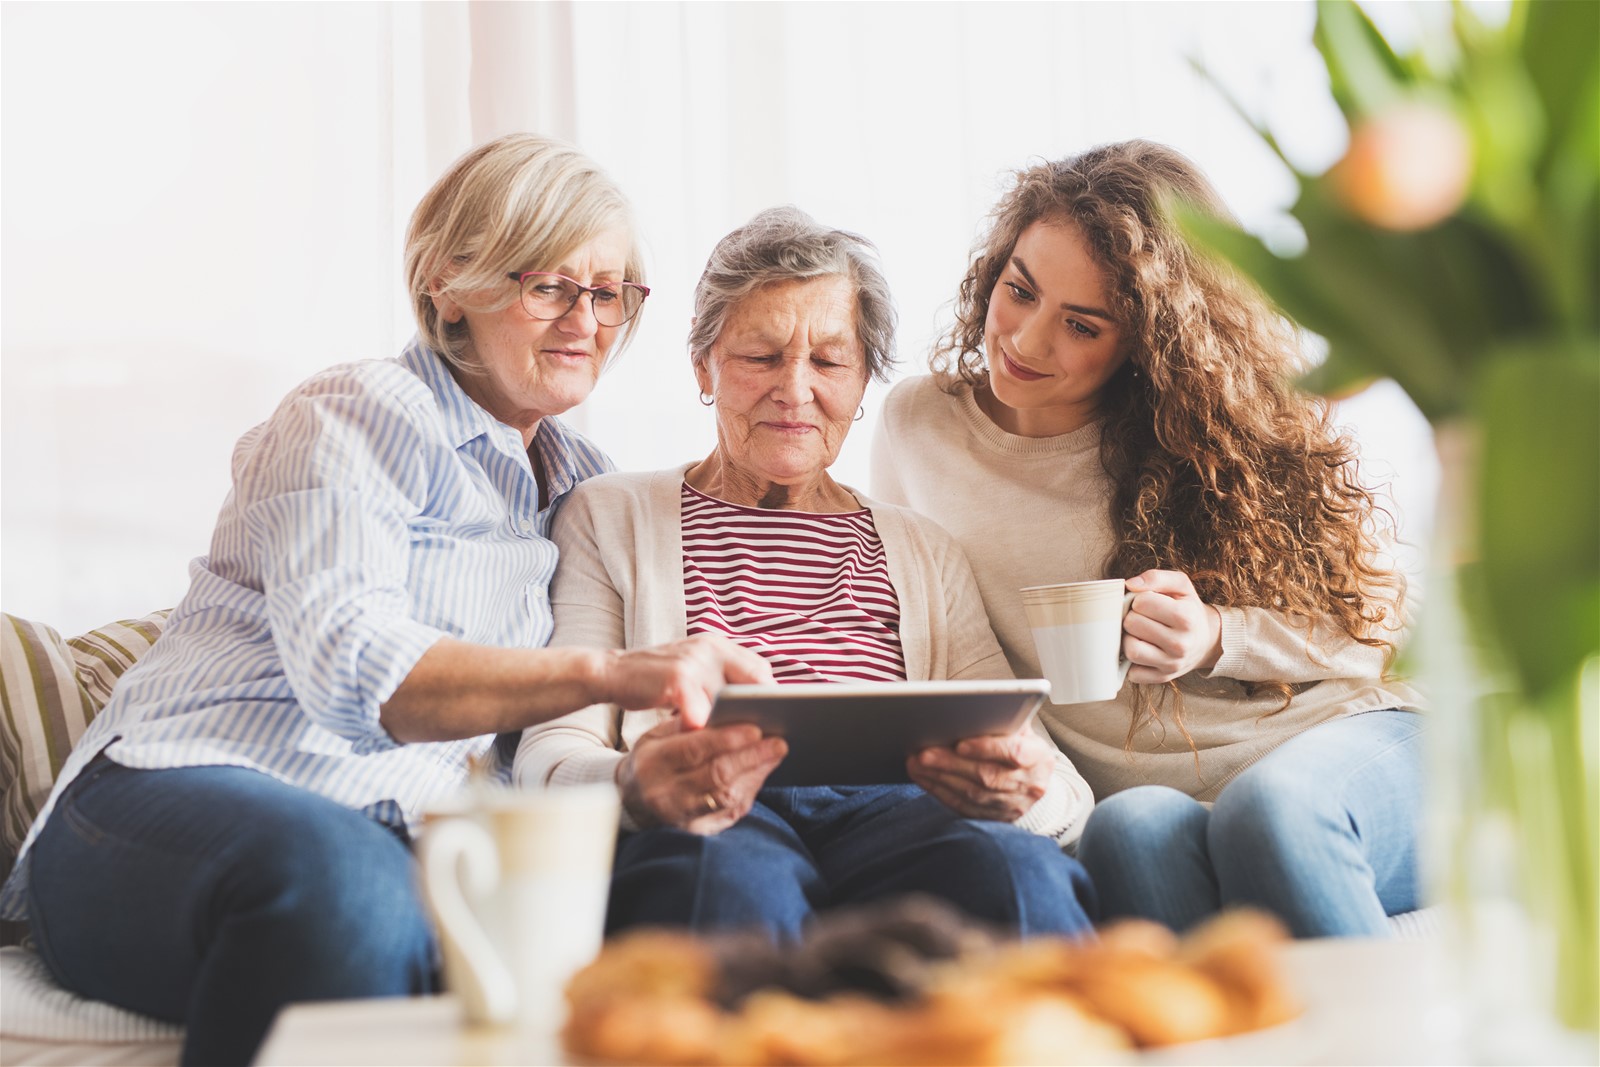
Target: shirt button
[{"x": 526, "y": 526}]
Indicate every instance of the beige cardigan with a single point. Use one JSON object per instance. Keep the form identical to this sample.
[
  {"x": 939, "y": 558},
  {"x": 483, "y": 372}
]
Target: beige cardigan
[
  {"x": 1032, "y": 511},
  {"x": 620, "y": 585}
]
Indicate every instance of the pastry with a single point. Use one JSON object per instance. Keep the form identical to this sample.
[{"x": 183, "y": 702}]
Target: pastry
[{"x": 912, "y": 982}]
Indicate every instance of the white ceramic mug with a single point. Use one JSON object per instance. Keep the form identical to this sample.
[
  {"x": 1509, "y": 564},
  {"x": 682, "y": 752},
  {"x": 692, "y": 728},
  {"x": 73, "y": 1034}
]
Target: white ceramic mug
[
  {"x": 517, "y": 882},
  {"x": 1077, "y": 630}
]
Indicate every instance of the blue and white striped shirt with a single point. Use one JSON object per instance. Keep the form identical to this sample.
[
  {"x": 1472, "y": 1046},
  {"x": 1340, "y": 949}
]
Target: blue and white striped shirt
[{"x": 378, "y": 510}]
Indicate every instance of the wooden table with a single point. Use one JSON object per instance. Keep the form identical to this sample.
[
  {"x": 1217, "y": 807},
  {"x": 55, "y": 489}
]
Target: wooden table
[{"x": 1367, "y": 1002}]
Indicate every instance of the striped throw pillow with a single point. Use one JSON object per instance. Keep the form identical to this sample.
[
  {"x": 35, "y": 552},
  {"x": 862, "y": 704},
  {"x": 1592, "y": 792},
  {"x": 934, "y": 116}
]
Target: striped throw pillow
[{"x": 50, "y": 690}]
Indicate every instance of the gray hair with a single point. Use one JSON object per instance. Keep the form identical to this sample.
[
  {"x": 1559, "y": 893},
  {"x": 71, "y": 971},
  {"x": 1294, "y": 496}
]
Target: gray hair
[
  {"x": 519, "y": 202},
  {"x": 784, "y": 244}
]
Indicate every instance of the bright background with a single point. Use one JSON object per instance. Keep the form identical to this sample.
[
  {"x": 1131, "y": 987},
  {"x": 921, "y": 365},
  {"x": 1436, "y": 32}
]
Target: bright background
[{"x": 201, "y": 205}]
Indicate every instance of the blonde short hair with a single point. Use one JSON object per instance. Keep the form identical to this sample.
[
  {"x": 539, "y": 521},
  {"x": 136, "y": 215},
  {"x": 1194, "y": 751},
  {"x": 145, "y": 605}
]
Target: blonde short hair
[{"x": 519, "y": 202}]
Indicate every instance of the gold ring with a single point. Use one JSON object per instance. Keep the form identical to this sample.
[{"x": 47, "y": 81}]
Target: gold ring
[{"x": 711, "y": 803}]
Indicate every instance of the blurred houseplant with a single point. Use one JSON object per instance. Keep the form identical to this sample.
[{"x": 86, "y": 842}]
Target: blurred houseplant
[{"x": 1456, "y": 249}]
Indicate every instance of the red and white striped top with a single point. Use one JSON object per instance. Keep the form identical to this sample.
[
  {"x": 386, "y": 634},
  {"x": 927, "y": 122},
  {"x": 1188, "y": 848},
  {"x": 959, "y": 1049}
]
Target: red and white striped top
[{"x": 810, "y": 593}]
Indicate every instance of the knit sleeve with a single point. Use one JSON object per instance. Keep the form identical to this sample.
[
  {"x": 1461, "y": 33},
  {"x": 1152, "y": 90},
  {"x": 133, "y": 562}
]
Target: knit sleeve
[
  {"x": 1262, "y": 645},
  {"x": 973, "y": 651},
  {"x": 1067, "y": 801},
  {"x": 582, "y": 747}
]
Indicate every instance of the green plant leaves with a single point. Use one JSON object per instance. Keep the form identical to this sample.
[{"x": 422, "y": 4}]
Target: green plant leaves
[
  {"x": 1539, "y": 507},
  {"x": 1370, "y": 295},
  {"x": 1491, "y": 315},
  {"x": 1560, "y": 54},
  {"x": 1563, "y": 67},
  {"x": 1366, "y": 74}
]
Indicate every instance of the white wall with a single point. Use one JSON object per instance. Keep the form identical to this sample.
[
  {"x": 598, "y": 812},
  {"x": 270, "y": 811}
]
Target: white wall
[{"x": 200, "y": 205}]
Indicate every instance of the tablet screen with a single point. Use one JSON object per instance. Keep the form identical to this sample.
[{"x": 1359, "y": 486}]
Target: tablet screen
[{"x": 861, "y": 733}]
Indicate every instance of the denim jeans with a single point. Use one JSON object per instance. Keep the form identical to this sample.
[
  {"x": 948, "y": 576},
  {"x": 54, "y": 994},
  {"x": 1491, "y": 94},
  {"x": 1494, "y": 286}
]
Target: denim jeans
[
  {"x": 1322, "y": 831},
  {"x": 212, "y": 896},
  {"x": 803, "y": 850}
]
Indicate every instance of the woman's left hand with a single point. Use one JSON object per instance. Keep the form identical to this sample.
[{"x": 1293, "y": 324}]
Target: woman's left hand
[
  {"x": 1169, "y": 631},
  {"x": 996, "y": 778}
]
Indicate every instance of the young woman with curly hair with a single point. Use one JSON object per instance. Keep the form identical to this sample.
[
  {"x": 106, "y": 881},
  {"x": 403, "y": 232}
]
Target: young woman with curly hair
[{"x": 1110, "y": 404}]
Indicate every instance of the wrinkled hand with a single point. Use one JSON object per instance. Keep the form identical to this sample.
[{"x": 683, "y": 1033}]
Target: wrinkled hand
[
  {"x": 1169, "y": 631},
  {"x": 683, "y": 676},
  {"x": 700, "y": 780},
  {"x": 996, "y": 778}
]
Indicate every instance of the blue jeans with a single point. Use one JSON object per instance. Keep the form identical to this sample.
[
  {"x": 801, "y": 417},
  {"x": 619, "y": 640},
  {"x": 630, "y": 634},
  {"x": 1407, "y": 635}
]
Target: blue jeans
[
  {"x": 213, "y": 896},
  {"x": 1322, "y": 831},
  {"x": 803, "y": 850}
]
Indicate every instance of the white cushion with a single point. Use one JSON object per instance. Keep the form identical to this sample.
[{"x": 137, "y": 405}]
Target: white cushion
[
  {"x": 1424, "y": 924},
  {"x": 34, "y": 1008}
]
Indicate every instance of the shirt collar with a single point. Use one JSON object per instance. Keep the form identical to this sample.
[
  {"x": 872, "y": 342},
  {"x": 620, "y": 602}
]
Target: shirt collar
[
  {"x": 464, "y": 419},
  {"x": 555, "y": 449}
]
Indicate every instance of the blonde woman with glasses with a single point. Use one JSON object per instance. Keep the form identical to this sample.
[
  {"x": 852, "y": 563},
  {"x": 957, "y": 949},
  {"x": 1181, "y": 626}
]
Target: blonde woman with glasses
[{"x": 232, "y": 832}]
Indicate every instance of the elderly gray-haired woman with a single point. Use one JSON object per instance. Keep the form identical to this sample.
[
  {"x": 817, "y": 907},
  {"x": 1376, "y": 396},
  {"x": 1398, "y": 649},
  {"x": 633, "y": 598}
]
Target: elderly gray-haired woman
[{"x": 757, "y": 543}]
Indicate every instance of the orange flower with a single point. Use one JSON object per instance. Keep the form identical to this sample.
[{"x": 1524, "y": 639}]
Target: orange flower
[{"x": 1407, "y": 168}]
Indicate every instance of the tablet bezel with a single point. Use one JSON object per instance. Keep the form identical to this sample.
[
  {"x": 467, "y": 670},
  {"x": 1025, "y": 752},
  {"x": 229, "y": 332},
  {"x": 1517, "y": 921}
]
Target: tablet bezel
[{"x": 860, "y": 733}]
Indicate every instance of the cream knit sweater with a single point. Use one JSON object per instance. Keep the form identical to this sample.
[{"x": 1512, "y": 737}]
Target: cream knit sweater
[
  {"x": 620, "y": 585},
  {"x": 1031, "y": 511}
]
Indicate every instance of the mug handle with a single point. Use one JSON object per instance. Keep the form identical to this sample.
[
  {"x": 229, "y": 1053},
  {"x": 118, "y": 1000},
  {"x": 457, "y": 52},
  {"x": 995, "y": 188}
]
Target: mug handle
[
  {"x": 1123, "y": 663},
  {"x": 458, "y": 858}
]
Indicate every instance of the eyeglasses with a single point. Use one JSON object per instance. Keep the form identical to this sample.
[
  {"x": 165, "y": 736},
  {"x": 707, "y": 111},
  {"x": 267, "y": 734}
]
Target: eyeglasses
[{"x": 549, "y": 296}]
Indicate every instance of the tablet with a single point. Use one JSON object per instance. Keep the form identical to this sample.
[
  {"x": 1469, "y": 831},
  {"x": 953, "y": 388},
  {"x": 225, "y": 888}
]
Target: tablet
[{"x": 852, "y": 733}]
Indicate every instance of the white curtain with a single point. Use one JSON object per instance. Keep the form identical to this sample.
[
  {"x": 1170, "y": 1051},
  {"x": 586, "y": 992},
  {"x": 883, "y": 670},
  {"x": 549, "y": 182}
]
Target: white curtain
[{"x": 203, "y": 204}]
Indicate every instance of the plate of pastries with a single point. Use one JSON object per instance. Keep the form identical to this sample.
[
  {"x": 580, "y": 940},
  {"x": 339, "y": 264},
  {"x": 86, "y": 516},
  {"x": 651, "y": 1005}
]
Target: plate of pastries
[{"x": 911, "y": 981}]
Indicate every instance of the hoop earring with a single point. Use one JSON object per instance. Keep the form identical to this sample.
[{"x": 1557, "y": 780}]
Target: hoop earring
[
  {"x": 861, "y": 413},
  {"x": 707, "y": 399}
]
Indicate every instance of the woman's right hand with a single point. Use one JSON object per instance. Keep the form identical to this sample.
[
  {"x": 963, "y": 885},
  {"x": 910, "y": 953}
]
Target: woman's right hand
[
  {"x": 684, "y": 675},
  {"x": 700, "y": 780}
]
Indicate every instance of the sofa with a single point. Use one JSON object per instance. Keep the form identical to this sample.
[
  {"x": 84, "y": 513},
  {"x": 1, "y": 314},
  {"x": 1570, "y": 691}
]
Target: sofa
[{"x": 50, "y": 690}]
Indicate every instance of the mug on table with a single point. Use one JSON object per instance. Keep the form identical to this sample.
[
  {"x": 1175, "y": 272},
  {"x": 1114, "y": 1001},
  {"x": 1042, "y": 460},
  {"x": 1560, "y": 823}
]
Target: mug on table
[{"x": 517, "y": 882}]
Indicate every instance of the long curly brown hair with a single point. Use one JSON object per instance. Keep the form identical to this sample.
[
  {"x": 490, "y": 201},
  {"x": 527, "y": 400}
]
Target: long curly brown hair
[{"x": 1222, "y": 468}]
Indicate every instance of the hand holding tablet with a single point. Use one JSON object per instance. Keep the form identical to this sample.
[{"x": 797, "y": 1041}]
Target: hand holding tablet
[{"x": 862, "y": 733}]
